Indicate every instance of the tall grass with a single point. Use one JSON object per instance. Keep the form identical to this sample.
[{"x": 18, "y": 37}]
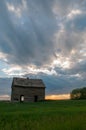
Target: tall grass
[{"x": 48, "y": 115}]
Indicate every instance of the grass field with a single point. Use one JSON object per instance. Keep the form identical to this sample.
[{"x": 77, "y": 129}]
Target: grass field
[{"x": 48, "y": 115}]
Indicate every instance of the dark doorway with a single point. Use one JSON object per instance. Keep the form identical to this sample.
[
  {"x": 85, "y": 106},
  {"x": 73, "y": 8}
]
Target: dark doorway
[
  {"x": 35, "y": 98},
  {"x": 22, "y": 98}
]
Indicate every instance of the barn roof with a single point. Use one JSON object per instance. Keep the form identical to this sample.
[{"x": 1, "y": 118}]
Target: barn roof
[{"x": 26, "y": 82}]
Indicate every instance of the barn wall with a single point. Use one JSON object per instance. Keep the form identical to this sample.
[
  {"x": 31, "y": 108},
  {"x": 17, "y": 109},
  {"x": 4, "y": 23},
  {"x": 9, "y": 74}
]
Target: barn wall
[{"x": 28, "y": 94}]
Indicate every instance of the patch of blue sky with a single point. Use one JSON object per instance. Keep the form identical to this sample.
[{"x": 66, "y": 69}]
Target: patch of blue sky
[{"x": 3, "y": 66}]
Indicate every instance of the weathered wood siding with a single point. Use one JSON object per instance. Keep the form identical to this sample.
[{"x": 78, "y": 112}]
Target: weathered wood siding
[{"x": 29, "y": 93}]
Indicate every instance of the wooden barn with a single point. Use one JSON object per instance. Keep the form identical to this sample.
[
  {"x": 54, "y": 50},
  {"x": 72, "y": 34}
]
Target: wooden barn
[{"x": 27, "y": 90}]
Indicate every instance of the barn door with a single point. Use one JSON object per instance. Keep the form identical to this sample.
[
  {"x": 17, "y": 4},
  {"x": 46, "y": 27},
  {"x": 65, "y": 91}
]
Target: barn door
[{"x": 35, "y": 98}]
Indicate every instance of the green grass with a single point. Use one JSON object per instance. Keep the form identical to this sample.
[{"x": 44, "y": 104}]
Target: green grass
[{"x": 48, "y": 115}]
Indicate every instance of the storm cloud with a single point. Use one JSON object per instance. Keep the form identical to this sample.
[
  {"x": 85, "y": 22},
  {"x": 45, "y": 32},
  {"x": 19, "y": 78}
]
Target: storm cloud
[{"x": 27, "y": 37}]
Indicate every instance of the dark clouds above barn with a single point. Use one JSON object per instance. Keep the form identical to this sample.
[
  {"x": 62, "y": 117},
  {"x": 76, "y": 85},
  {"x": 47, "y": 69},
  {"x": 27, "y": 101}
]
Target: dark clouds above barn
[
  {"x": 45, "y": 38},
  {"x": 28, "y": 35}
]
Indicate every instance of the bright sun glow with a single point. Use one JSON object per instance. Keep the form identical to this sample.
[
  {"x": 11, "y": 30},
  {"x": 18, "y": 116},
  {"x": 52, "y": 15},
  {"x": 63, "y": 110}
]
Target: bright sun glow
[{"x": 58, "y": 97}]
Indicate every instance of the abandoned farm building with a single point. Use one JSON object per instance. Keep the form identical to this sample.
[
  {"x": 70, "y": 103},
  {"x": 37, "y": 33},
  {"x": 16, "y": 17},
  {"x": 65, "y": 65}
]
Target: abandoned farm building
[{"x": 27, "y": 90}]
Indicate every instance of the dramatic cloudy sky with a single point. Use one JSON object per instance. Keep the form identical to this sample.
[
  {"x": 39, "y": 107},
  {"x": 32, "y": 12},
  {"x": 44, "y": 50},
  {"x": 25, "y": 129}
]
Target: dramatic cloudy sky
[{"x": 43, "y": 39}]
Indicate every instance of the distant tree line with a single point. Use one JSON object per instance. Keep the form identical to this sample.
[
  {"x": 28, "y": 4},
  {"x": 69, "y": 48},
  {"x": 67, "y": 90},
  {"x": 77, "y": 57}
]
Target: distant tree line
[{"x": 79, "y": 93}]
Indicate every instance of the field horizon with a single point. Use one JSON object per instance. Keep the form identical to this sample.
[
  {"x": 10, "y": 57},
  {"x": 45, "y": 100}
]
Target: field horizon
[{"x": 47, "y": 97}]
